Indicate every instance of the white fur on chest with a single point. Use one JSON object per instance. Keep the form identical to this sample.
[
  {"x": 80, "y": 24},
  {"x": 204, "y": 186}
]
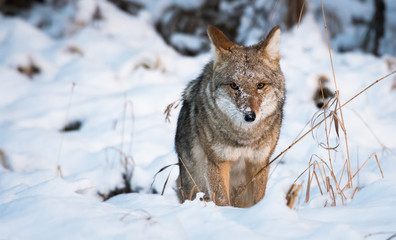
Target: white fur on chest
[{"x": 229, "y": 153}]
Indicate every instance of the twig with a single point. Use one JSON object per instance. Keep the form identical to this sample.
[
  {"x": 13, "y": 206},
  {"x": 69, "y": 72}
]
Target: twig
[
  {"x": 169, "y": 108},
  {"x": 195, "y": 184},
  {"x": 273, "y": 13},
  {"x": 162, "y": 169},
  {"x": 301, "y": 12},
  {"x": 337, "y": 93},
  {"x": 384, "y": 147},
  {"x": 58, "y": 167},
  {"x": 375, "y": 155}
]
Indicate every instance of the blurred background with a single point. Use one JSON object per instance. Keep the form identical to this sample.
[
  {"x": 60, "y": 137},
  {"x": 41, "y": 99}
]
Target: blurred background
[{"x": 366, "y": 25}]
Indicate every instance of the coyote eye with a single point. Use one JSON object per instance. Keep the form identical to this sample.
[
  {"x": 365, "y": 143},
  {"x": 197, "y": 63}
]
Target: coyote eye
[
  {"x": 260, "y": 85},
  {"x": 234, "y": 86}
]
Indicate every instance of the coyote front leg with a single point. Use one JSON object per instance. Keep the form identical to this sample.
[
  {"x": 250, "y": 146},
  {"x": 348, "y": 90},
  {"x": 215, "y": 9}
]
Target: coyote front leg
[
  {"x": 256, "y": 189},
  {"x": 219, "y": 181}
]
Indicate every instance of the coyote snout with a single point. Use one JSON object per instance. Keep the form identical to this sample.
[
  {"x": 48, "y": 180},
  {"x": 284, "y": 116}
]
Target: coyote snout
[
  {"x": 250, "y": 116},
  {"x": 230, "y": 120}
]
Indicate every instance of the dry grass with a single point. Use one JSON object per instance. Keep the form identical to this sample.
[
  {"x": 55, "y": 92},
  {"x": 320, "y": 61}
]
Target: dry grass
[
  {"x": 170, "y": 107},
  {"x": 319, "y": 167},
  {"x": 30, "y": 70},
  {"x": 391, "y": 63},
  {"x": 140, "y": 213},
  {"x": 75, "y": 50},
  {"x": 333, "y": 121},
  {"x": 167, "y": 178},
  {"x": 3, "y": 160},
  {"x": 58, "y": 166},
  {"x": 301, "y": 14},
  {"x": 332, "y": 185},
  {"x": 341, "y": 121},
  {"x": 292, "y": 194},
  {"x": 192, "y": 179},
  {"x": 125, "y": 156},
  {"x": 124, "y": 153}
]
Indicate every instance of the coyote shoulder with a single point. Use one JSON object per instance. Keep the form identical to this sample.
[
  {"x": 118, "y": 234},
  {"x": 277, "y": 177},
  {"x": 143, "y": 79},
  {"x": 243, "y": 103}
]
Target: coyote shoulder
[{"x": 230, "y": 120}]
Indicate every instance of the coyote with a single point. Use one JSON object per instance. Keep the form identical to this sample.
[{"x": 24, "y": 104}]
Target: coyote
[{"x": 230, "y": 120}]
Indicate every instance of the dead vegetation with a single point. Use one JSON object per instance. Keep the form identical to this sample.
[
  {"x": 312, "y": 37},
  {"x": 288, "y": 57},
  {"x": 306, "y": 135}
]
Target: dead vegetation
[
  {"x": 292, "y": 194},
  {"x": 323, "y": 94},
  {"x": 30, "y": 70},
  {"x": 126, "y": 188},
  {"x": 59, "y": 168},
  {"x": 167, "y": 179},
  {"x": 72, "y": 126},
  {"x": 321, "y": 170},
  {"x": 391, "y": 64},
  {"x": 75, "y": 50},
  {"x": 125, "y": 155},
  {"x": 170, "y": 107},
  {"x": 3, "y": 160}
]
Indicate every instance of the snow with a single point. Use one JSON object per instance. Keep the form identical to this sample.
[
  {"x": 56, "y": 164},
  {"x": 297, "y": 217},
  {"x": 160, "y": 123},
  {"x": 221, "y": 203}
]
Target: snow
[
  {"x": 118, "y": 83},
  {"x": 185, "y": 41}
]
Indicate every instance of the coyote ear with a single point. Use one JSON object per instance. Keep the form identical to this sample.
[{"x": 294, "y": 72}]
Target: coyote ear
[
  {"x": 220, "y": 42},
  {"x": 270, "y": 46}
]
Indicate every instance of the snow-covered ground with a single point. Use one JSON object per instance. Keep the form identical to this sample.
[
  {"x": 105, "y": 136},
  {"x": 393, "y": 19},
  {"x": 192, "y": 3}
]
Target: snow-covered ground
[{"x": 116, "y": 76}]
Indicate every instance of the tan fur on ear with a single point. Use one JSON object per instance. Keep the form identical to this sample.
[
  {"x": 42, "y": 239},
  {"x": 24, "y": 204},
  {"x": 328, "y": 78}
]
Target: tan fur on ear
[
  {"x": 270, "y": 46},
  {"x": 218, "y": 39}
]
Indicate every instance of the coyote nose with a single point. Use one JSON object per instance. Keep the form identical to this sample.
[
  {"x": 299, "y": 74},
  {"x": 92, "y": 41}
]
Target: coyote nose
[{"x": 250, "y": 116}]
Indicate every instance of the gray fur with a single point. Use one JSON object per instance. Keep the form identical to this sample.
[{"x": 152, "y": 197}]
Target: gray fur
[{"x": 214, "y": 143}]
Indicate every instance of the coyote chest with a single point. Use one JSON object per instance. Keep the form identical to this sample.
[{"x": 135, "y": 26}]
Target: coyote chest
[
  {"x": 235, "y": 153},
  {"x": 230, "y": 120}
]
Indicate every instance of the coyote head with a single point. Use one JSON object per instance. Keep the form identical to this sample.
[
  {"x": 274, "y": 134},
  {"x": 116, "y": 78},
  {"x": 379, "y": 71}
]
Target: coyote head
[{"x": 247, "y": 83}]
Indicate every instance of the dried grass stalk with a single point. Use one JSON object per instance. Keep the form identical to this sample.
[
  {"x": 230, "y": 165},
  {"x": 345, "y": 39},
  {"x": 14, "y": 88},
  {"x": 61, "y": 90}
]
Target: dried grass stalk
[{"x": 292, "y": 194}]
